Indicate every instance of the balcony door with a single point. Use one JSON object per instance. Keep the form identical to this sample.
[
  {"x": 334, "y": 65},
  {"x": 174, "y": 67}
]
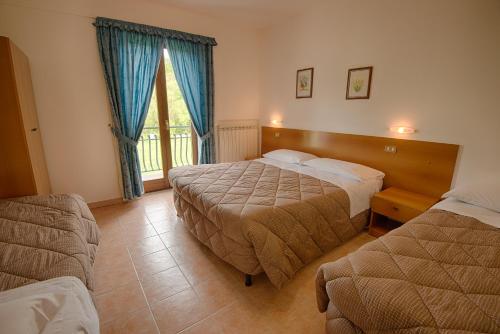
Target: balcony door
[{"x": 168, "y": 139}]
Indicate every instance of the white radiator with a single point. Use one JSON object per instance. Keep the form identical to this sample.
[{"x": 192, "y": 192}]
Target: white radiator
[{"x": 237, "y": 140}]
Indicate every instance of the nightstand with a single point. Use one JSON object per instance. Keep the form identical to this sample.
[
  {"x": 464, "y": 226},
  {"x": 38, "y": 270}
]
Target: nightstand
[{"x": 393, "y": 207}]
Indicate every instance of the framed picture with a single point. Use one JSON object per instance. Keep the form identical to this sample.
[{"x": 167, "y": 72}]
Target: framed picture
[
  {"x": 359, "y": 81},
  {"x": 304, "y": 83}
]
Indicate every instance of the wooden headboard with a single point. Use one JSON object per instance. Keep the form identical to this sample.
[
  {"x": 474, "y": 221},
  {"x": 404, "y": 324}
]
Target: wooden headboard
[{"x": 423, "y": 167}]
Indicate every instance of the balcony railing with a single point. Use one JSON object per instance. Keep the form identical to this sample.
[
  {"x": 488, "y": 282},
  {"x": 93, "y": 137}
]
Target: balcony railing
[{"x": 149, "y": 148}]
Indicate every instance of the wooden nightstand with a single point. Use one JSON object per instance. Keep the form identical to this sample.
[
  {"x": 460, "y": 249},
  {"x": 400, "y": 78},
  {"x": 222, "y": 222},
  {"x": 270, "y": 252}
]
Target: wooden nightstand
[{"x": 393, "y": 207}]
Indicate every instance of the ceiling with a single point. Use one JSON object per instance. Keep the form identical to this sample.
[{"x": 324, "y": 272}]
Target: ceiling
[{"x": 255, "y": 13}]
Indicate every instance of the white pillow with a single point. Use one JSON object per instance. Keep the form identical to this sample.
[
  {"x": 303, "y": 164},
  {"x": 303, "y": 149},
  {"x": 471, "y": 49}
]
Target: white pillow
[
  {"x": 290, "y": 156},
  {"x": 485, "y": 194},
  {"x": 345, "y": 168}
]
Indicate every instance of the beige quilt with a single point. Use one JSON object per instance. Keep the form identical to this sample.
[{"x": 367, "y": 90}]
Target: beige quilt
[
  {"x": 259, "y": 217},
  {"x": 43, "y": 237},
  {"x": 439, "y": 273}
]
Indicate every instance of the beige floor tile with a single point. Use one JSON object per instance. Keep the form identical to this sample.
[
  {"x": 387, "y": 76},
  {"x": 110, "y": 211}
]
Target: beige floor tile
[
  {"x": 136, "y": 219},
  {"x": 165, "y": 213},
  {"x": 159, "y": 203},
  {"x": 153, "y": 263},
  {"x": 146, "y": 246},
  {"x": 165, "y": 225},
  {"x": 114, "y": 276},
  {"x": 206, "y": 326},
  {"x": 133, "y": 211},
  {"x": 109, "y": 212},
  {"x": 112, "y": 257},
  {"x": 111, "y": 232},
  {"x": 179, "y": 311},
  {"x": 301, "y": 315},
  {"x": 139, "y": 322},
  {"x": 189, "y": 253},
  {"x": 264, "y": 296},
  {"x": 210, "y": 267},
  {"x": 120, "y": 301},
  {"x": 237, "y": 318},
  {"x": 136, "y": 232},
  {"x": 164, "y": 284},
  {"x": 216, "y": 294},
  {"x": 178, "y": 236},
  {"x": 114, "y": 246}
]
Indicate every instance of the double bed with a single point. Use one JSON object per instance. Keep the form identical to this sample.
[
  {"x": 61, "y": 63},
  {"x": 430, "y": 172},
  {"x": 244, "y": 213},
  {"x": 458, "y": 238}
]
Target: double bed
[
  {"x": 439, "y": 273},
  {"x": 270, "y": 216},
  {"x": 276, "y": 215}
]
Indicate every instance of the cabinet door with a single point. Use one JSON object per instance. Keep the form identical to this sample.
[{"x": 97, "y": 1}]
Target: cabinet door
[
  {"x": 16, "y": 178},
  {"x": 30, "y": 120}
]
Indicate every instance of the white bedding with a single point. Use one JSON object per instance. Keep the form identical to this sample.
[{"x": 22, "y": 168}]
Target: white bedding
[
  {"x": 483, "y": 215},
  {"x": 60, "y": 305},
  {"x": 359, "y": 192}
]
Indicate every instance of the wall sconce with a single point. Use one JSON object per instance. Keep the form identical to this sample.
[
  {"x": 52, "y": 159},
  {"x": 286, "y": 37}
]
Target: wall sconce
[
  {"x": 402, "y": 129},
  {"x": 276, "y": 122}
]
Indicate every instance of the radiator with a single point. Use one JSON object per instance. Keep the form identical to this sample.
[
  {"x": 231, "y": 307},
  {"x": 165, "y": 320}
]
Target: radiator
[{"x": 237, "y": 140}]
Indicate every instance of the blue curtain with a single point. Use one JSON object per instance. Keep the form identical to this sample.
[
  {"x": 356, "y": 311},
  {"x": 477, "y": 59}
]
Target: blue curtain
[
  {"x": 193, "y": 68},
  {"x": 130, "y": 59}
]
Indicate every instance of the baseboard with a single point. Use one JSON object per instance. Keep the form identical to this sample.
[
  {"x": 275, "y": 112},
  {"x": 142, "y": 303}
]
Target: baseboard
[
  {"x": 104, "y": 203},
  {"x": 155, "y": 185}
]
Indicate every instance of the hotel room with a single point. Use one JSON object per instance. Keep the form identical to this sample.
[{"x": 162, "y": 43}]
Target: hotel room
[{"x": 189, "y": 166}]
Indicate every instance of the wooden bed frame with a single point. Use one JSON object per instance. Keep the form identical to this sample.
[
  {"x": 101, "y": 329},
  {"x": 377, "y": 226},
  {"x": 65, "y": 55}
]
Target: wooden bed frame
[{"x": 419, "y": 166}]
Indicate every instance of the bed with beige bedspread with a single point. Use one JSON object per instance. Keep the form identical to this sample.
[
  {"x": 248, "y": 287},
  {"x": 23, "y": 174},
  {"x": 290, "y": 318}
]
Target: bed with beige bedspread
[
  {"x": 43, "y": 237},
  {"x": 258, "y": 217},
  {"x": 439, "y": 273}
]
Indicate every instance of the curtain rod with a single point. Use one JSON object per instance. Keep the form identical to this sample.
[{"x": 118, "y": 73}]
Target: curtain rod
[{"x": 106, "y": 23}]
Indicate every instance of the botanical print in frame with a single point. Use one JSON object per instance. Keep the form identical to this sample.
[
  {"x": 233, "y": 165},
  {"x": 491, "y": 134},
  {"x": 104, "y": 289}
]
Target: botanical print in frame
[
  {"x": 304, "y": 83},
  {"x": 359, "y": 81}
]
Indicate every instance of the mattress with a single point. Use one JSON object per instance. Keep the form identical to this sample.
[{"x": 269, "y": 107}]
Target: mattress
[
  {"x": 43, "y": 237},
  {"x": 438, "y": 273},
  {"x": 259, "y": 217}
]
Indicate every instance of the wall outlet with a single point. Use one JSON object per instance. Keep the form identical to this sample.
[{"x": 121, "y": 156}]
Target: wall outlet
[
  {"x": 276, "y": 135},
  {"x": 390, "y": 149}
]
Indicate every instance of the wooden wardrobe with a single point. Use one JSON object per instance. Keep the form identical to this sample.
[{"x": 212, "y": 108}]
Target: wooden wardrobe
[{"x": 22, "y": 163}]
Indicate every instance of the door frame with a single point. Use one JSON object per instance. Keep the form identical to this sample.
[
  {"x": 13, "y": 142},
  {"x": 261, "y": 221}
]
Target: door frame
[
  {"x": 161, "y": 100},
  {"x": 163, "y": 120},
  {"x": 194, "y": 144}
]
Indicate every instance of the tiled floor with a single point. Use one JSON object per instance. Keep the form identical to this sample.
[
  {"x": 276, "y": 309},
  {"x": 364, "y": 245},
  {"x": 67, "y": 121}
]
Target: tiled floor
[{"x": 152, "y": 276}]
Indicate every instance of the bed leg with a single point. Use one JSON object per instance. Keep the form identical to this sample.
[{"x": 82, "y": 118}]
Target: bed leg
[{"x": 248, "y": 280}]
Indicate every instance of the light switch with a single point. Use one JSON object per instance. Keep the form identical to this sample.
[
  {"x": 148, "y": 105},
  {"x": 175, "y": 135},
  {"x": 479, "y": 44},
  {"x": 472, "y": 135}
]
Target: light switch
[
  {"x": 390, "y": 149},
  {"x": 276, "y": 134}
]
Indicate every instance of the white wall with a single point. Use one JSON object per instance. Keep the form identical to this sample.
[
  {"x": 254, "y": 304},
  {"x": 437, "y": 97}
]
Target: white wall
[
  {"x": 59, "y": 39},
  {"x": 436, "y": 68}
]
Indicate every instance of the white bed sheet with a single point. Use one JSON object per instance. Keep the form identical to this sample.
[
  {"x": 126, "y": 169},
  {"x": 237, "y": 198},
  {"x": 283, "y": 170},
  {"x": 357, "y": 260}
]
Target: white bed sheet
[
  {"x": 57, "y": 306},
  {"x": 359, "y": 192},
  {"x": 482, "y": 214}
]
